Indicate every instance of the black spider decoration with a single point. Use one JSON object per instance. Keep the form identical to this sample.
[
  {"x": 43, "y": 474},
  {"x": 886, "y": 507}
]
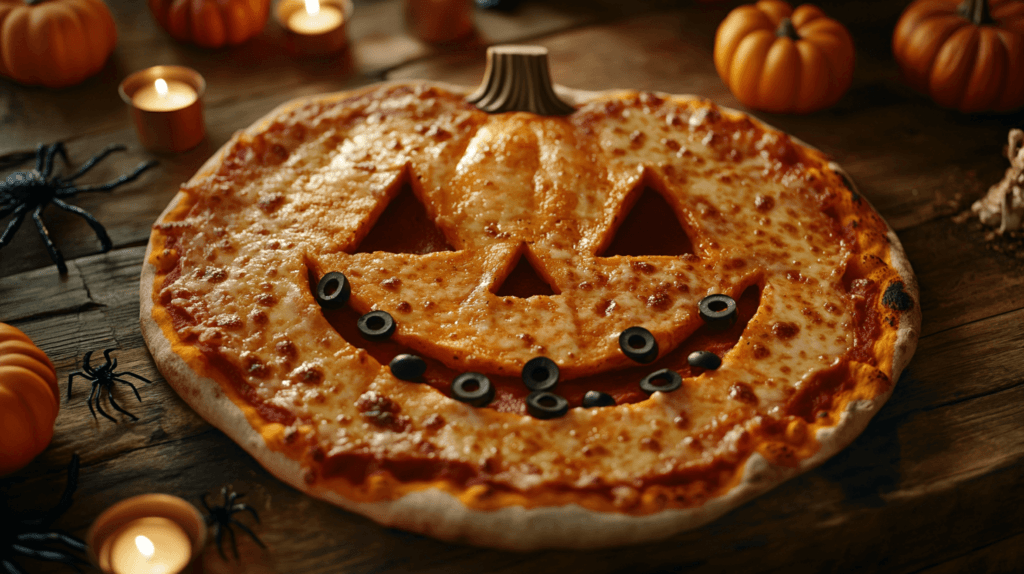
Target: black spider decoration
[
  {"x": 28, "y": 536},
  {"x": 221, "y": 519},
  {"x": 31, "y": 191},
  {"x": 103, "y": 378}
]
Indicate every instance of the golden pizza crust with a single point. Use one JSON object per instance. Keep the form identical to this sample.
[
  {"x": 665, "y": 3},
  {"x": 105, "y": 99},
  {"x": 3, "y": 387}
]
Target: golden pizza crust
[{"x": 441, "y": 510}]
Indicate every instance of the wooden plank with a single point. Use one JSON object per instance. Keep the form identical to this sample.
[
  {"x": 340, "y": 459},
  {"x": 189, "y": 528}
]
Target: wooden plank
[
  {"x": 94, "y": 281},
  {"x": 1005, "y": 555},
  {"x": 966, "y": 362},
  {"x": 961, "y": 281}
]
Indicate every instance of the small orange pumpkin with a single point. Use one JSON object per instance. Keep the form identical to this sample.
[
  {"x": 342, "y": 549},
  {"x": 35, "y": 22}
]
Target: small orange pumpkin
[
  {"x": 966, "y": 55},
  {"x": 29, "y": 399},
  {"x": 211, "y": 23},
  {"x": 777, "y": 59},
  {"x": 54, "y": 43}
]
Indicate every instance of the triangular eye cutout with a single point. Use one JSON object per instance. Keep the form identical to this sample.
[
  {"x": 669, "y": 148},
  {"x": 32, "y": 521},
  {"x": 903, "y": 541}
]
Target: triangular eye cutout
[
  {"x": 523, "y": 281},
  {"x": 650, "y": 228},
  {"x": 404, "y": 227}
]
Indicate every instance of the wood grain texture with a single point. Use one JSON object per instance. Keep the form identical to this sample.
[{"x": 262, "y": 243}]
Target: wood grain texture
[{"x": 932, "y": 485}]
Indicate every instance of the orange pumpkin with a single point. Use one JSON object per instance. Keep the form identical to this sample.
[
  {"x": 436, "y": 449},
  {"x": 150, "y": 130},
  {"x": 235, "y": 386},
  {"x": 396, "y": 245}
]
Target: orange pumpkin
[
  {"x": 777, "y": 59},
  {"x": 54, "y": 43},
  {"x": 967, "y": 55},
  {"x": 211, "y": 23},
  {"x": 29, "y": 400}
]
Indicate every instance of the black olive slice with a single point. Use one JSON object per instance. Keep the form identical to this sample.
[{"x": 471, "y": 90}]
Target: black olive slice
[
  {"x": 704, "y": 360},
  {"x": 545, "y": 405},
  {"x": 376, "y": 325},
  {"x": 473, "y": 388},
  {"x": 639, "y": 344},
  {"x": 333, "y": 290},
  {"x": 665, "y": 380},
  {"x": 597, "y": 399},
  {"x": 408, "y": 367},
  {"x": 540, "y": 374},
  {"x": 718, "y": 311}
]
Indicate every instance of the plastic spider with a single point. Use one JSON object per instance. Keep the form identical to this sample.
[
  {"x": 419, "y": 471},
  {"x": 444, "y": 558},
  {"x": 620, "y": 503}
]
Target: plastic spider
[
  {"x": 26, "y": 535},
  {"x": 221, "y": 519},
  {"x": 31, "y": 191},
  {"x": 103, "y": 378}
]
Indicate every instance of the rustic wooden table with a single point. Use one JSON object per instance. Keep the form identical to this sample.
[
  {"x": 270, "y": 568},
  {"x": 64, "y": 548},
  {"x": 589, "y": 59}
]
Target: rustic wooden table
[{"x": 936, "y": 483}]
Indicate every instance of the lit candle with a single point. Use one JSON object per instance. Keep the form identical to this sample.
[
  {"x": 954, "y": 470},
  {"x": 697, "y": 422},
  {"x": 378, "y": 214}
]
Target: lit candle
[
  {"x": 147, "y": 534},
  {"x": 166, "y": 103},
  {"x": 315, "y": 19},
  {"x": 164, "y": 96},
  {"x": 152, "y": 545}
]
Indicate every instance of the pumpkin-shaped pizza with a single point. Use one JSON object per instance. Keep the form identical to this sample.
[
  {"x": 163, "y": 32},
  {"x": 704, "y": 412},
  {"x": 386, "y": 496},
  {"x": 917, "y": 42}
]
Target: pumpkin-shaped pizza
[{"x": 527, "y": 331}]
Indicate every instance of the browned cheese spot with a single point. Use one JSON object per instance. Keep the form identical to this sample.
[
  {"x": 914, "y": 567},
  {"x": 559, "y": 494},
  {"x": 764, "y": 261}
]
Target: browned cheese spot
[
  {"x": 785, "y": 331},
  {"x": 764, "y": 203},
  {"x": 743, "y": 393},
  {"x": 381, "y": 411}
]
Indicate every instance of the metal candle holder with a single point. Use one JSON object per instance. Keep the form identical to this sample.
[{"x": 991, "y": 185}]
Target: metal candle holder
[
  {"x": 110, "y": 523},
  {"x": 171, "y": 130}
]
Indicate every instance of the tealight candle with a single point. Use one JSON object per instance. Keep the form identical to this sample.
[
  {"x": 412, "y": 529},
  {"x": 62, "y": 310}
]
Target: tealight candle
[
  {"x": 315, "y": 19},
  {"x": 164, "y": 96},
  {"x": 148, "y": 534},
  {"x": 166, "y": 104},
  {"x": 152, "y": 545},
  {"x": 314, "y": 27}
]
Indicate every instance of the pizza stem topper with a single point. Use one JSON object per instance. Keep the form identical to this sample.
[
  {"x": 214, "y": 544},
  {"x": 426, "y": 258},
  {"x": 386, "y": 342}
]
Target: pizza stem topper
[{"x": 517, "y": 80}]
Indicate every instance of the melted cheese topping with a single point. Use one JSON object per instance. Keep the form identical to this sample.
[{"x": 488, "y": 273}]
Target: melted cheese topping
[{"x": 293, "y": 202}]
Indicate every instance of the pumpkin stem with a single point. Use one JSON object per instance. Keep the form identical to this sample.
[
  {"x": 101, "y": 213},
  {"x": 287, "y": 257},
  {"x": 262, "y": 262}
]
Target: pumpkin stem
[
  {"x": 787, "y": 29},
  {"x": 976, "y": 11}
]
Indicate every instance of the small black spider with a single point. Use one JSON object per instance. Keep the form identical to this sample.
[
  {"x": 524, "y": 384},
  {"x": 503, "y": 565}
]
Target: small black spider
[
  {"x": 221, "y": 519},
  {"x": 26, "y": 535},
  {"x": 31, "y": 191},
  {"x": 103, "y": 378}
]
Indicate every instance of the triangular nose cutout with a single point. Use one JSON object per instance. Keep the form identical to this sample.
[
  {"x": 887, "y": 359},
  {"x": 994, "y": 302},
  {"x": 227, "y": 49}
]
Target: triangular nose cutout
[
  {"x": 650, "y": 228},
  {"x": 404, "y": 227},
  {"x": 523, "y": 281}
]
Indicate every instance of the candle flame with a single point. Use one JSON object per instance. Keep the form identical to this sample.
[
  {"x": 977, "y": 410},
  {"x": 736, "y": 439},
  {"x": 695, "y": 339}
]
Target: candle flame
[
  {"x": 312, "y": 7},
  {"x": 161, "y": 87},
  {"x": 145, "y": 545}
]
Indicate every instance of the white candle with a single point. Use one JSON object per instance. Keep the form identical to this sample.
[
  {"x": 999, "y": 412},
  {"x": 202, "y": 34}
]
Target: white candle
[
  {"x": 315, "y": 19},
  {"x": 152, "y": 545},
  {"x": 164, "y": 96}
]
